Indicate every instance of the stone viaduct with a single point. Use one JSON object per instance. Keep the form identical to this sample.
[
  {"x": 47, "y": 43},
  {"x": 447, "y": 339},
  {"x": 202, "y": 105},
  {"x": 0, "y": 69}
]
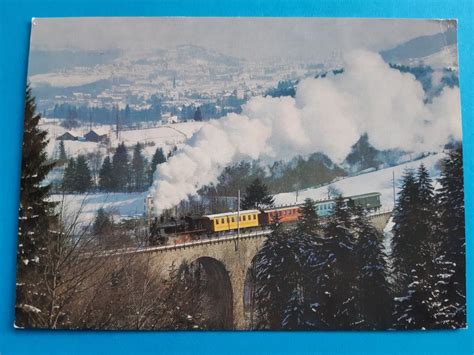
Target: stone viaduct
[{"x": 226, "y": 261}]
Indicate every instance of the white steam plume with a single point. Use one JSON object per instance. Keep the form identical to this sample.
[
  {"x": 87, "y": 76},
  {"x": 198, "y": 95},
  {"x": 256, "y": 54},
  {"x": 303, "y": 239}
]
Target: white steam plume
[{"x": 327, "y": 115}]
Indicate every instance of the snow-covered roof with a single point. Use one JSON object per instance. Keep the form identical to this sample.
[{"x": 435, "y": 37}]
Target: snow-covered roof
[
  {"x": 282, "y": 207},
  {"x": 218, "y": 215}
]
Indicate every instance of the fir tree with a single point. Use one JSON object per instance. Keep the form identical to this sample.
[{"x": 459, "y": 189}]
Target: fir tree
[
  {"x": 83, "y": 178},
  {"x": 308, "y": 221},
  {"x": 336, "y": 277},
  {"x": 102, "y": 223},
  {"x": 36, "y": 213},
  {"x": 69, "y": 178},
  {"x": 106, "y": 179},
  {"x": 452, "y": 230},
  {"x": 198, "y": 114},
  {"x": 62, "y": 152},
  {"x": 138, "y": 168},
  {"x": 256, "y": 195},
  {"x": 282, "y": 274},
  {"x": 416, "y": 254},
  {"x": 120, "y": 168},
  {"x": 294, "y": 314},
  {"x": 417, "y": 308},
  {"x": 425, "y": 210},
  {"x": 405, "y": 245},
  {"x": 374, "y": 304},
  {"x": 158, "y": 158}
]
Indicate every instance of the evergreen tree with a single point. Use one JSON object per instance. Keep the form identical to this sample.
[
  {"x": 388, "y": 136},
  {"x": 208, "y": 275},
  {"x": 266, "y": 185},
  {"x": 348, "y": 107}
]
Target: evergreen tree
[
  {"x": 120, "y": 168},
  {"x": 414, "y": 309},
  {"x": 36, "y": 213},
  {"x": 294, "y": 314},
  {"x": 282, "y": 271},
  {"x": 62, "y": 152},
  {"x": 416, "y": 255},
  {"x": 83, "y": 177},
  {"x": 106, "y": 179},
  {"x": 102, "y": 223},
  {"x": 452, "y": 230},
  {"x": 158, "y": 158},
  {"x": 405, "y": 241},
  {"x": 69, "y": 178},
  {"x": 336, "y": 281},
  {"x": 138, "y": 168},
  {"x": 308, "y": 221},
  {"x": 256, "y": 195},
  {"x": 374, "y": 305},
  {"x": 426, "y": 211},
  {"x": 198, "y": 114}
]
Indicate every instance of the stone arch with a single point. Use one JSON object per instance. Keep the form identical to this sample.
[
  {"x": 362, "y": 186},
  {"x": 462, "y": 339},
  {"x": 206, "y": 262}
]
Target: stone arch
[{"x": 218, "y": 293}]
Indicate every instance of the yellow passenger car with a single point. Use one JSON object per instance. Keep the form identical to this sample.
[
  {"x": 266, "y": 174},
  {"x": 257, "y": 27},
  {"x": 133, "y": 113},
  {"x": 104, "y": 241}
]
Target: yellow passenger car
[{"x": 223, "y": 222}]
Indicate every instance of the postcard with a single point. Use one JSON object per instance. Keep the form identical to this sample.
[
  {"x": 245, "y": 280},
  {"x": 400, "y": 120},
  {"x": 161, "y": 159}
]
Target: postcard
[{"x": 242, "y": 174}]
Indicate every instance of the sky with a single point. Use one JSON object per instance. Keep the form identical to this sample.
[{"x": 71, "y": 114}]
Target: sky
[{"x": 248, "y": 38}]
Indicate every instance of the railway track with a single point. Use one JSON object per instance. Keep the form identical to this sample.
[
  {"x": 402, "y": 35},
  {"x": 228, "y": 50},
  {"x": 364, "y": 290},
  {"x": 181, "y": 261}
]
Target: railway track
[{"x": 218, "y": 239}]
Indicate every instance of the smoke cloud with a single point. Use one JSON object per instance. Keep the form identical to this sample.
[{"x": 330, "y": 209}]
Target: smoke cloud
[{"x": 327, "y": 115}]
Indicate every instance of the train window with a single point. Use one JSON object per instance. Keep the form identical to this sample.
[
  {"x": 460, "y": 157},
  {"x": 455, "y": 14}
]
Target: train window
[
  {"x": 233, "y": 219},
  {"x": 245, "y": 218},
  {"x": 222, "y": 220},
  {"x": 254, "y": 217},
  {"x": 217, "y": 221}
]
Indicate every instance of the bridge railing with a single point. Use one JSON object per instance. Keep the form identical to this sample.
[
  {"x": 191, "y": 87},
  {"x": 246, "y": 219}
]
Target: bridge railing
[
  {"x": 210, "y": 240},
  {"x": 213, "y": 238}
]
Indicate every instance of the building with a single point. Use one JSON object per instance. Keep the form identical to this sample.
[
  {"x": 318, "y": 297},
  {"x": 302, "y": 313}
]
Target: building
[
  {"x": 92, "y": 136},
  {"x": 66, "y": 137},
  {"x": 168, "y": 118}
]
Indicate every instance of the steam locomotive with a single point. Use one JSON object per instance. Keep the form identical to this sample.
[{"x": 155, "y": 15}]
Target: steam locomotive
[{"x": 195, "y": 227}]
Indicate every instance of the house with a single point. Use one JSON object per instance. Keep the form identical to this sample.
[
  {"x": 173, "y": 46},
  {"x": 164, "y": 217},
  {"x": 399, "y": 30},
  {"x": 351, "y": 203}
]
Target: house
[
  {"x": 66, "y": 137},
  {"x": 168, "y": 118},
  {"x": 92, "y": 136}
]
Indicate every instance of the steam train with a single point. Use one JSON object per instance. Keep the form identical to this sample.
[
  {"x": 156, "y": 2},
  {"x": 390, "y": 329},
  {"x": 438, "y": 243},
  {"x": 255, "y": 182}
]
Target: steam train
[{"x": 195, "y": 227}]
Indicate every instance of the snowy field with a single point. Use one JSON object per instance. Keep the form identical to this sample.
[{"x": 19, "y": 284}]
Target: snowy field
[
  {"x": 119, "y": 205},
  {"x": 165, "y": 136},
  {"x": 376, "y": 181}
]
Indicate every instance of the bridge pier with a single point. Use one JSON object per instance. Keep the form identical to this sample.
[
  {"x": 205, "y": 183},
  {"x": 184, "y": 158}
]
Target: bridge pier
[{"x": 238, "y": 285}]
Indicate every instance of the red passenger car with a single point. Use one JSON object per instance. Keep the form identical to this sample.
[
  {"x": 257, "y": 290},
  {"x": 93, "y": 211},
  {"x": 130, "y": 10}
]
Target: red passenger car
[{"x": 284, "y": 214}]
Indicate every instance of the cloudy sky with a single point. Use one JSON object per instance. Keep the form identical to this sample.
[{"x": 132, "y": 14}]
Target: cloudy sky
[{"x": 251, "y": 38}]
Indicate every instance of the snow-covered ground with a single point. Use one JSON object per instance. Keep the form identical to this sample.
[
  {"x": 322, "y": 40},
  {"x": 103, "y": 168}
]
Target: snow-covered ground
[
  {"x": 376, "y": 181},
  {"x": 120, "y": 205},
  {"x": 447, "y": 57},
  {"x": 165, "y": 136}
]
